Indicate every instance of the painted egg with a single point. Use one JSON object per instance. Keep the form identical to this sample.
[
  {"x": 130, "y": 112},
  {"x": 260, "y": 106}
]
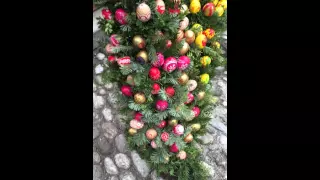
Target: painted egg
[
  {"x": 123, "y": 61},
  {"x": 143, "y": 12},
  {"x": 184, "y": 23},
  {"x": 160, "y": 60},
  {"x": 135, "y": 124},
  {"x": 160, "y": 6},
  {"x": 204, "y": 78},
  {"x": 194, "y": 7},
  {"x": 170, "y": 64},
  {"x": 208, "y": 9},
  {"x": 209, "y": 33},
  {"x": 183, "y": 62},
  {"x": 192, "y": 85},
  {"x": 201, "y": 41},
  {"x": 205, "y": 60},
  {"x": 180, "y": 35}
]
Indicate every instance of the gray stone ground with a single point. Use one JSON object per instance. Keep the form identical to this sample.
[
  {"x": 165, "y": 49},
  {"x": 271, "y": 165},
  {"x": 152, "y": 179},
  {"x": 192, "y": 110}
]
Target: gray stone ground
[{"x": 111, "y": 158}]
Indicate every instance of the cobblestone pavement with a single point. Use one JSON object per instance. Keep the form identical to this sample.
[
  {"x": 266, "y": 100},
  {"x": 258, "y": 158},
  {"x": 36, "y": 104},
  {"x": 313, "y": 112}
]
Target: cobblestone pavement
[{"x": 111, "y": 158}]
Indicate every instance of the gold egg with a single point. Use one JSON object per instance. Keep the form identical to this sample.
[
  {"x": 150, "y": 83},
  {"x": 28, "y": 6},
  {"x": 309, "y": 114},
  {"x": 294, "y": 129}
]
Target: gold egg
[
  {"x": 183, "y": 79},
  {"x": 151, "y": 134},
  {"x": 139, "y": 42},
  {"x": 180, "y": 35},
  {"x": 142, "y": 57},
  {"x": 130, "y": 80},
  {"x": 185, "y": 48},
  {"x": 201, "y": 95},
  {"x": 139, "y": 98},
  {"x": 190, "y": 36},
  {"x": 166, "y": 159},
  {"x": 132, "y": 131},
  {"x": 188, "y": 138},
  {"x": 173, "y": 122},
  {"x": 195, "y": 127}
]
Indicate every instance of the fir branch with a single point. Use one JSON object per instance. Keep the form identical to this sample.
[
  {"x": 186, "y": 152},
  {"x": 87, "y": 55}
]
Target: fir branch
[
  {"x": 152, "y": 53},
  {"x": 147, "y": 113},
  {"x": 140, "y": 138},
  {"x": 161, "y": 115},
  {"x": 121, "y": 48},
  {"x": 125, "y": 28},
  {"x": 173, "y": 113},
  {"x": 162, "y": 94},
  {"x": 137, "y": 67},
  {"x": 134, "y": 106},
  {"x": 125, "y": 70}
]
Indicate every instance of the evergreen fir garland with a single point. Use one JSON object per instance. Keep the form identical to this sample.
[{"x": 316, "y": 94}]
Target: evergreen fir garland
[{"x": 165, "y": 162}]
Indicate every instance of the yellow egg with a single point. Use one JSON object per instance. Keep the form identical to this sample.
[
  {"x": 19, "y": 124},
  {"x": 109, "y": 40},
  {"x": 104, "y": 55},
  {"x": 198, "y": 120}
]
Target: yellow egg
[
  {"x": 194, "y": 7},
  {"x": 215, "y": 2},
  {"x": 223, "y": 3},
  {"x": 219, "y": 10},
  {"x": 196, "y": 26},
  {"x": 197, "y": 29},
  {"x": 201, "y": 41},
  {"x": 209, "y": 33},
  {"x": 204, "y": 78},
  {"x": 216, "y": 44},
  {"x": 205, "y": 60}
]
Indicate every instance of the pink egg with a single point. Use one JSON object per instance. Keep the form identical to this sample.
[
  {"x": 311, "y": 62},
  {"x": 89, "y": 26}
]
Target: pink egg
[
  {"x": 183, "y": 62},
  {"x": 135, "y": 124},
  {"x": 123, "y": 60},
  {"x": 170, "y": 64},
  {"x": 160, "y": 60}
]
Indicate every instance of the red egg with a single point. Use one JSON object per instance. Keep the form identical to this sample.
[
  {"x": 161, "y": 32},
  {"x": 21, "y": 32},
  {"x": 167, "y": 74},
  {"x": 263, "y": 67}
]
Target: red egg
[
  {"x": 170, "y": 91},
  {"x": 174, "y": 148},
  {"x": 121, "y": 16},
  {"x": 196, "y": 111},
  {"x": 156, "y": 88},
  {"x": 154, "y": 73},
  {"x": 138, "y": 116},
  {"x": 190, "y": 98},
  {"x": 161, "y": 105},
  {"x": 162, "y": 124},
  {"x": 126, "y": 90}
]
